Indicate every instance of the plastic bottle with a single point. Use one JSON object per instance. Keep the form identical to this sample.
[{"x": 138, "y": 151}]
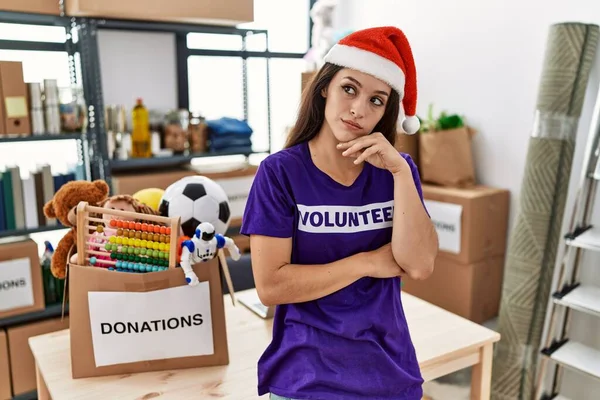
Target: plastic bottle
[{"x": 141, "y": 139}]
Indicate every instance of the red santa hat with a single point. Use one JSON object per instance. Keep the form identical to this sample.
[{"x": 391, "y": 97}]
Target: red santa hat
[{"x": 385, "y": 53}]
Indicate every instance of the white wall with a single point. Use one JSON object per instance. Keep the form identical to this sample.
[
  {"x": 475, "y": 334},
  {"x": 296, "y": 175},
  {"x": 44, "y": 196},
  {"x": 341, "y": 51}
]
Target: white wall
[
  {"x": 483, "y": 60},
  {"x": 138, "y": 64}
]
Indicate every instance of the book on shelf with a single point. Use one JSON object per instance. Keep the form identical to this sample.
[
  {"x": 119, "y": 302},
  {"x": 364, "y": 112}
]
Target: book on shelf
[{"x": 22, "y": 199}]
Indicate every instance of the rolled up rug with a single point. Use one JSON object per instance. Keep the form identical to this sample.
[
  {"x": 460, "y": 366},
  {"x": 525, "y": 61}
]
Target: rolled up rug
[{"x": 534, "y": 239}]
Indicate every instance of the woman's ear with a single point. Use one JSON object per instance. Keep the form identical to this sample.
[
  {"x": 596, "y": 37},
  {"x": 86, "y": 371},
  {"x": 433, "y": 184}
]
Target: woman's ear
[{"x": 324, "y": 92}]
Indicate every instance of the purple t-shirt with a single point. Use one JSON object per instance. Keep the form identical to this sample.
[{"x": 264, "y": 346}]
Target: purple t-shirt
[{"x": 354, "y": 343}]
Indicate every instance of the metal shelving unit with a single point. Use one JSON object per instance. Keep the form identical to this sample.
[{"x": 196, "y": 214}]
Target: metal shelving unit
[
  {"x": 82, "y": 40},
  {"x": 40, "y": 138},
  {"x": 51, "y": 311},
  {"x": 102, "y": 165},
  {"x": 165, "y": 162},
  {"x": 27, "y": 232},
  {"x": 68, "y": 47}
]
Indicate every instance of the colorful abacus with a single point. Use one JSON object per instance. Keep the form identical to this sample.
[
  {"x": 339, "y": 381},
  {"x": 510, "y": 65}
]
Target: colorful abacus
[{"x": 132, "y": 242}]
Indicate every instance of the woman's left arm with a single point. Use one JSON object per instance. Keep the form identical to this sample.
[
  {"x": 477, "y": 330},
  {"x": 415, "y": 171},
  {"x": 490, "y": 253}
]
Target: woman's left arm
[{"x": 414, "y": 238}]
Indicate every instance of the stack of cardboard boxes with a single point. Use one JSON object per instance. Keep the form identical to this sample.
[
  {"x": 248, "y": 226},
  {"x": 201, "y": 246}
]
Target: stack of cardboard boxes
[
  {"x": 21, "y": 292},
  {"x": 472, "y": 230}
]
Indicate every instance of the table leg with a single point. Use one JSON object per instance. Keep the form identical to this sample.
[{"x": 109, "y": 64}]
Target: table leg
[
  {"x": 42, "y": 389},
  {"x": 481, "y": 378}
]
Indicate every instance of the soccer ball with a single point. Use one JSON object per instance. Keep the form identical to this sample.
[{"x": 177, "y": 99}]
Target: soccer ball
[{"x": 196, "y": 199}]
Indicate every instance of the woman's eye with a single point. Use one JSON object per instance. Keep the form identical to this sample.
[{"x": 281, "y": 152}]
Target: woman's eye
[
  {"x": 377, "y": 101},
  {"x": 349, "y": 89}
]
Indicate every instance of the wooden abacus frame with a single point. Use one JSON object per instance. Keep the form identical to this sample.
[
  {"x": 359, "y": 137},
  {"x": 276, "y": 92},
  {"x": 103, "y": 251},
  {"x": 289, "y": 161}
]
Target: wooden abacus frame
[{"x": 86, "y": 215}]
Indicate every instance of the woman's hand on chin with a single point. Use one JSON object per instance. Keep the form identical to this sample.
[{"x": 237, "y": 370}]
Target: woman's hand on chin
[{"x": 376, "y": 150}]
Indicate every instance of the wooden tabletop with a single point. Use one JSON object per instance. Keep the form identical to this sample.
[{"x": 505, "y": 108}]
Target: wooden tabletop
[{"x": 444, "y": 343}]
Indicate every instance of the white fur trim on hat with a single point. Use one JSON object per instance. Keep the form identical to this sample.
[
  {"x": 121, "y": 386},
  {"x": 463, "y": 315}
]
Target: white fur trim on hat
[
  {"x": 369, "y": 63},
  {"x": 411, "y": 125}
]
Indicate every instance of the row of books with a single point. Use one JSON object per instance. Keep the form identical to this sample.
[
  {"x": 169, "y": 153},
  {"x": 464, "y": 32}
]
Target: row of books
[{"x": 22, "y": 199}]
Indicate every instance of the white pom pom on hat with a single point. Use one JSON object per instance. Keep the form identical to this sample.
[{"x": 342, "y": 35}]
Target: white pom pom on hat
[
  {"x": 383, "y": 52},
  {"x": 411, "y": 125}
]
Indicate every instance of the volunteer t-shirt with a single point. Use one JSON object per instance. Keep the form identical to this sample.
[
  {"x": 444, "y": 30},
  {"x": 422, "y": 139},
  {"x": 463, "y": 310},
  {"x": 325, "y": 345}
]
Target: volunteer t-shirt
[{"x": 354, "y": 343}]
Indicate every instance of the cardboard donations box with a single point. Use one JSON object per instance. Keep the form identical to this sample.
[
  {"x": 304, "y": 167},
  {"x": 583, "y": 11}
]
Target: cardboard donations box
[
  {"x": 471, "y": 223},
  {"x": 128, "y": 322},
  {"x": 21, "y": 286}
]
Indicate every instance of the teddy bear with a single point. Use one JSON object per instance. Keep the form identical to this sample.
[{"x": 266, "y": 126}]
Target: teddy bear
[{"x": 63, "y": 206}]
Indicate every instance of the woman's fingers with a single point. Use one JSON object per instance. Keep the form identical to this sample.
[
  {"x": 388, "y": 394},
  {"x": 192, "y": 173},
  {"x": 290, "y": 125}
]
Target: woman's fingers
[{"x": 366, "y": 154}]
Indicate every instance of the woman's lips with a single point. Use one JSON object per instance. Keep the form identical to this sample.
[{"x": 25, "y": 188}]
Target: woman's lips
[{"x": 352, "y": 125}]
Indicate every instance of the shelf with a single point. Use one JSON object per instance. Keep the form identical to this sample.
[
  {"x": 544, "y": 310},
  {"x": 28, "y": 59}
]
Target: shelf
[
  {"x": 589, "y": 239},
  {"x": 583, "y": 298},
  {"x": 51, "y": 311},
  {"x": 40, "y": 138},
  {"x": 164, "y": 162},
  {"x": 32, "y": 18},
  {"x": 172, "y": 27},
  {"x": 25, "y": 232},
  {"x": 578, "y": 357}
]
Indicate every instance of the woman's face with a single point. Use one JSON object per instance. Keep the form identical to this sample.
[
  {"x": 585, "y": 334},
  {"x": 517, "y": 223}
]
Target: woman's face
[{"x": 354, "y": 104}]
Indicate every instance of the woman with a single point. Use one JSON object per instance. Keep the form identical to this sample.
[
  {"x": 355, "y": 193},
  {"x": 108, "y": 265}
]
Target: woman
[{"x": 335, "y": 220}]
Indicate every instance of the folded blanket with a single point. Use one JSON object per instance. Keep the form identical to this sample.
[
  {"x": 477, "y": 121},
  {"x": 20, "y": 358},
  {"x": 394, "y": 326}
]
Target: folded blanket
[
  {"x": 228, "y": 126},
  {"x": 233, "y": 150},
  {"x": 219, "y": 142}
]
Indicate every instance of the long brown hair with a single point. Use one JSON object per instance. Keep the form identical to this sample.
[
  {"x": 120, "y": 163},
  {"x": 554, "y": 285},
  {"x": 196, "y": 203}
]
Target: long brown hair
[{"x": 312, "y": 110}]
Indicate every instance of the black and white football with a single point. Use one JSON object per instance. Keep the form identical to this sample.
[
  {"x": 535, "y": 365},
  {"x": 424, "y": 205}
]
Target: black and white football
[{"x": 196, "y": 199}]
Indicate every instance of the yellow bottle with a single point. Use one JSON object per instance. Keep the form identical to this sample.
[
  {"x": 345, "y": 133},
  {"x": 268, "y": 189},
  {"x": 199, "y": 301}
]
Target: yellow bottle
[{"x": 141, "y": 140}]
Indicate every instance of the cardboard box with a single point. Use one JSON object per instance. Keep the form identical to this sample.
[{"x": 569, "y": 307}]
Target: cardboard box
[
  {"x": 13, "y": 100},
  {"x": 22, "y": 363},
  {"x": 470, "y": 290},
  {"x": 220, "y": 12},
  {"x": 235, "y": 182},
  {"x": 471, "y": 223},
  {"x": 50, "y": 7},
  {"x": 121, "y": 341},
  {"x": 21, "y": 287},
  {"x": 408, "y": 144},
  {"x": 124, "y": 322},
  {"x": 5, "y": 385}
]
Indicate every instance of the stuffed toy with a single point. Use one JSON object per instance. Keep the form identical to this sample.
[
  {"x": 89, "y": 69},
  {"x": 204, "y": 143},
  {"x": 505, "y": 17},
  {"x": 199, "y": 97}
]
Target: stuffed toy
[
  {"x": 63, "y": 206},
  {"x": 125, "y": 202},
  {"x": 101, "y": 235}
]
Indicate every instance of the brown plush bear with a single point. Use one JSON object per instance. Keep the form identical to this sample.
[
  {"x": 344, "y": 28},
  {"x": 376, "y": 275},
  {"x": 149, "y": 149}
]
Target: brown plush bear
[{"x": 63, "y": 206}]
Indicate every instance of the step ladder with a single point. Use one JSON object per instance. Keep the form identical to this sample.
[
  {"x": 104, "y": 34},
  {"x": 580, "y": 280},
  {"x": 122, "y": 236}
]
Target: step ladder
[{"x": 568, "y": 294}]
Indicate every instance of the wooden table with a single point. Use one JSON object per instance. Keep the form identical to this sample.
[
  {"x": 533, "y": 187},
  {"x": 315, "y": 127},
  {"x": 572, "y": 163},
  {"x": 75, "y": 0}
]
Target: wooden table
[{"x": 444, "y": 343}]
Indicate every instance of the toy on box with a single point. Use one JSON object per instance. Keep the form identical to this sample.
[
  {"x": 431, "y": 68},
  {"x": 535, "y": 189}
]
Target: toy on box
[
  {"x": 137, "y": 242},
  {"x": 203, "y": 246},
  {"x": 196, "y": 199},
  {"x": 150, "y": 197},
  {"x": 104, "y": 231},
  {"x": 63, "y": 206}
]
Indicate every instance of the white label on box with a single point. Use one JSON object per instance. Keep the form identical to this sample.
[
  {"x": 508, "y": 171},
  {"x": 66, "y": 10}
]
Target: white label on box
[
  {"x": 168, "y": 323},
  {"x": 16, "y": 289},
  {"x": 237, "y": 190},
  {"x": 447, "y": 220}
]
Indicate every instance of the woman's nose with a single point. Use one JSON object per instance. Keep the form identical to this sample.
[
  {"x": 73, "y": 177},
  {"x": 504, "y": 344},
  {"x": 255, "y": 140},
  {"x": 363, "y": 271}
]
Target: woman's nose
[{"x": 357, "y": 109}]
